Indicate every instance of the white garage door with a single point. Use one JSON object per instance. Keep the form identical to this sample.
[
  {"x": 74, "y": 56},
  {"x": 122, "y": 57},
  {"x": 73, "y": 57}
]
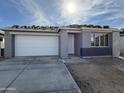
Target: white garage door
[{"x": 36, "y": 45}]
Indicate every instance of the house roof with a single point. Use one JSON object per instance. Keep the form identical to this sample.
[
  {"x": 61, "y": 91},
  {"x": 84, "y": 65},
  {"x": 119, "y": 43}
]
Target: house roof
[
  {"x": 100, "y": 29},
  {"x": 55, "y": 29},
  {"x": 29, "y": 30},
  {"x": 90, "y": 29}
]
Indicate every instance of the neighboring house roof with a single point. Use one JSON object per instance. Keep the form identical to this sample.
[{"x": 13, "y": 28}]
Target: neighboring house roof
[
  {"x": 122, "y": 32},
  {"x": 1, "y": 33}
]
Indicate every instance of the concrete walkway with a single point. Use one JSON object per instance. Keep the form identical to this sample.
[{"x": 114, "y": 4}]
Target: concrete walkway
[
  {"x": 74, "y": 60},
  {"x": 36, "y": 75}
]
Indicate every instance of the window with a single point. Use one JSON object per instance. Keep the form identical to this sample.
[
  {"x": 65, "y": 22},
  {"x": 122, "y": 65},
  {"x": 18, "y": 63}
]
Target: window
[{"x": 99, "y": 39}]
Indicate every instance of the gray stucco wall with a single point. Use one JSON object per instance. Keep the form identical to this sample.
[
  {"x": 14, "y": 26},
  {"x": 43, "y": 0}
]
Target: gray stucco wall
[
  {"x": 9, "y": 45},
  {"x": 110, "y": 39},
  {"x": 115, "y": 44},
  {"x": 78, "y": 43},
  {"x": 86, "y": 39},
  {"x": 82, "y": 40},
  {"x": 63, "y": 44},
  {"x": 122, "y": 44},
  {"x": 88, "y": 50}
]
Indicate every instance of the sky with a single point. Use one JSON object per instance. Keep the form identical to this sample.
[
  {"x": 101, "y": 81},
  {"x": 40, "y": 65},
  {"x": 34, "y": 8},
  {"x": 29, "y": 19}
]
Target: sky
[{"x": 62, "y": 12}]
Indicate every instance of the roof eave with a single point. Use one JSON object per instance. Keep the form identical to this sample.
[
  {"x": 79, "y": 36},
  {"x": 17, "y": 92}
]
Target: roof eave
[
  {"x": 29, "y": 30},
  {"x": 99, "y": 29}
]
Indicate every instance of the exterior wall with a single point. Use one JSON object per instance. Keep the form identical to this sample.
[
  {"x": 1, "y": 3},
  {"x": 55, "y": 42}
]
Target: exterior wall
[
  {"x": 9, "y": 45},
  {"x": 63, "y": 44},
  {"x": 122, "y": 44},
  {"x": 115, "y": 44},
  {"x": 88, "y": 50},
  {"x": 71, "y": 48},
  {"x": 103, "y": 51},
  {"x": 78, "y": 43},
  {"x": 110, "y": 39},
  {"x": 86, "y": 38},
  {"x": 82, "y": 45}
]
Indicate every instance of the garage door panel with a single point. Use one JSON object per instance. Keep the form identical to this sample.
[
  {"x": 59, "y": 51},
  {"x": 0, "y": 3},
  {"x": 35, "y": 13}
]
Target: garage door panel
[{"x": 36, "y": 45}]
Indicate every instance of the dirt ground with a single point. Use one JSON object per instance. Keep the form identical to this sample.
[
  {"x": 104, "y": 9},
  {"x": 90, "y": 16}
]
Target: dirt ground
[{"x": 100, "y": 75}]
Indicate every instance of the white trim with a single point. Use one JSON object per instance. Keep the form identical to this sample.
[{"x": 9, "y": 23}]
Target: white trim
[
  {"x": 74, "y": 31},
  {"x": 34, "y": 33},
  {"x": 32, "y": 30},
  {"x": 100, "y": 29},
  {"x": 69, "y": 28}
]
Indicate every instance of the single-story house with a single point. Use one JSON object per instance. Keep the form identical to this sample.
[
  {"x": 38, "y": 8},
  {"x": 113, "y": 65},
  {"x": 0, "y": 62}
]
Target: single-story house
[{"x": 62, "y": 41}]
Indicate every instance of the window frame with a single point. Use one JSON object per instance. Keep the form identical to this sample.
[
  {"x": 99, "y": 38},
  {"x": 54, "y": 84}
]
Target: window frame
[{"x": 94, "y": 44}]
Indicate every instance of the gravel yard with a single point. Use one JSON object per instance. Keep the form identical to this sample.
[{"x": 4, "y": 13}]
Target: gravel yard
[{"x": 99, "y": 75}]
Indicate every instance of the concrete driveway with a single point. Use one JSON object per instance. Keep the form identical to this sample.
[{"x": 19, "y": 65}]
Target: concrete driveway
[{"x": 35, "y": 75}]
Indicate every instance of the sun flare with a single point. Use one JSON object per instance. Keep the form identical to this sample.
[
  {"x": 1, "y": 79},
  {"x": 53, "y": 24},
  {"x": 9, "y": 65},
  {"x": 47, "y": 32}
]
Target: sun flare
[{"x": 71, "y": 8}]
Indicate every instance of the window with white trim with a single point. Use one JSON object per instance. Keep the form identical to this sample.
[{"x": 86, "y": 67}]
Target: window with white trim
[{"x": 99, "y": 39}]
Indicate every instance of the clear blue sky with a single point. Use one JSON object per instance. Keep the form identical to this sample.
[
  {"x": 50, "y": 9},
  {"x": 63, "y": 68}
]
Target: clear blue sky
[{"x": 62, "y": 12}]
